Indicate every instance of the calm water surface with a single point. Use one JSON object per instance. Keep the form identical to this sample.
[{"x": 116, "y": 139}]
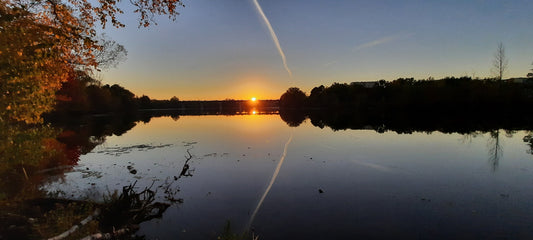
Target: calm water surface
[{"x": 329, "y": 184}]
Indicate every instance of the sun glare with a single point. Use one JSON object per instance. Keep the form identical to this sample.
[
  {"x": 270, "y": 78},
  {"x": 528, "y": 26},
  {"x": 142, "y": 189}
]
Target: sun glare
[{"x": 254, "y": 99}]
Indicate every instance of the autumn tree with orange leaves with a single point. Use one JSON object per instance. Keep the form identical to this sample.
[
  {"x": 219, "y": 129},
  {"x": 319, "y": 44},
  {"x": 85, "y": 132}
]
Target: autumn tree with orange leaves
[{"x": 44, "y": 42}]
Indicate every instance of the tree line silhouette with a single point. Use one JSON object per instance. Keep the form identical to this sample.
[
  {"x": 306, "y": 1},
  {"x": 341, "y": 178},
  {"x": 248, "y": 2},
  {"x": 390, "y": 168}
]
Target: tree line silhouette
[
  {"x": 82, "y": 95},
  {"x": 406, "y": 95},
  {"x": 405, "y": 105},
  {"x": 228, "y": 106}
]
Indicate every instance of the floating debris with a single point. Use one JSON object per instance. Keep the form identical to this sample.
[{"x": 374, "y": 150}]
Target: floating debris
[
  {"x": 86, "y": 173},
  {"x": 188, "y": 144},
  {"x": 117, "y": 151},
  {"x": 131, "y": 169}
]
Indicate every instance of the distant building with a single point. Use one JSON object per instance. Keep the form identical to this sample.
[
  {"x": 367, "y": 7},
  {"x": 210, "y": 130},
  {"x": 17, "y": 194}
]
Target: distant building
[
  {"x": 520, "y": 80},
  {"x": 366, "y": 84}
]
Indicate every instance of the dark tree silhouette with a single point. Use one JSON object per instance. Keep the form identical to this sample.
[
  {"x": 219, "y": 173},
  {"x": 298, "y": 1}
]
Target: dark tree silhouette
[
  {"x": 293, "y": 98},
  {"x": 144, "y": 102}
]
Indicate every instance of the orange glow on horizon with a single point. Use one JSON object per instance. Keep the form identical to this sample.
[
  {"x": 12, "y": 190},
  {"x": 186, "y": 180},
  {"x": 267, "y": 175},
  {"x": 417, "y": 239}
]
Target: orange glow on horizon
[
  {"x": 254, "y": 99},
  {"x": 243, "y": 87}
]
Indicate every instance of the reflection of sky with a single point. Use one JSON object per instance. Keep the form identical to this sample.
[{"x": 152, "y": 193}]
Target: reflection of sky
[
  {"x": 222, "y": 49},
  {"x": 377, "y": 184}
]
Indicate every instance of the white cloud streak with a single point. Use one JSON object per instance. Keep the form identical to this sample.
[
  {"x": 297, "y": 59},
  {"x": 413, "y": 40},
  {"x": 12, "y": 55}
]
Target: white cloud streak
[
  {"x": 329, "y": 63},
  {"x": 381, "y": 41},
  {"x": 374, "y": 166},
  {"x": 274, "y": 36}
]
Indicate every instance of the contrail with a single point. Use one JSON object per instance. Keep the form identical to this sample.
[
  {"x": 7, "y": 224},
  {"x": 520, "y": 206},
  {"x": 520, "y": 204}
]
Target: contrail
[
  {"x": 272, "y": 180},
  {"x": 274, "y": 37},
  {"x": 374, "y": 166},
  {"x": 382, "y": 41}
]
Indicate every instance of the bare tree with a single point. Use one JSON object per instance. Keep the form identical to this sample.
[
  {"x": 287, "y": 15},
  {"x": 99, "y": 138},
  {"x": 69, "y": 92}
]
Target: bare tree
[
  {"x": 110, "y": 53},
  {"x": 500, "y": 62}
]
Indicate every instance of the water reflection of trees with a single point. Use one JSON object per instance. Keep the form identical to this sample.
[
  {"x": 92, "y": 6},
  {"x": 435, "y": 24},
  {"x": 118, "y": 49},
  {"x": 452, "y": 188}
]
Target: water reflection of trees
[
  {"x": 470, "y": 125},
  {"x": 495, "y": 149},
  {"x": 529, "y": 140},
  {"x": 409, "y": 122},
  {"x": 24, "y": 151},
  {"x": 30, "y": 155}
]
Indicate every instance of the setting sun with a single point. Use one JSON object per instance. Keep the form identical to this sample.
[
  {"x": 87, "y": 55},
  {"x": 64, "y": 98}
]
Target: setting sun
[{"x": 254, "y": 99}]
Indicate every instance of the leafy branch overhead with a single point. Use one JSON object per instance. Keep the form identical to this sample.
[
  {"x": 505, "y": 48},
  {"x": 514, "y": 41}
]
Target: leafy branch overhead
[
  {"x": 90, "y": 12},
  {"x": 44, "y": 43}
]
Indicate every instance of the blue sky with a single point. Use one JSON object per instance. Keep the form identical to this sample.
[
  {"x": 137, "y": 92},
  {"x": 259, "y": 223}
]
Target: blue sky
[{"x": 223, "y": 49}]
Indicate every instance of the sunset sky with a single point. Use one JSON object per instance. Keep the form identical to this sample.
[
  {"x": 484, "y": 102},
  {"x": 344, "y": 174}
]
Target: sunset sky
[{"x": 225, "y": 49}]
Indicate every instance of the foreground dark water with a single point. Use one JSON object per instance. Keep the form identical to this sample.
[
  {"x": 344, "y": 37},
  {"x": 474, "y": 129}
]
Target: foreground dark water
[{"x": 226, "y": 175}]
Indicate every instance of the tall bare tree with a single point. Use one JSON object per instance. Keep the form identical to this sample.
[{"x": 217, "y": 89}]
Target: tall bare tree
[{"x": 500, "y": 62}]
